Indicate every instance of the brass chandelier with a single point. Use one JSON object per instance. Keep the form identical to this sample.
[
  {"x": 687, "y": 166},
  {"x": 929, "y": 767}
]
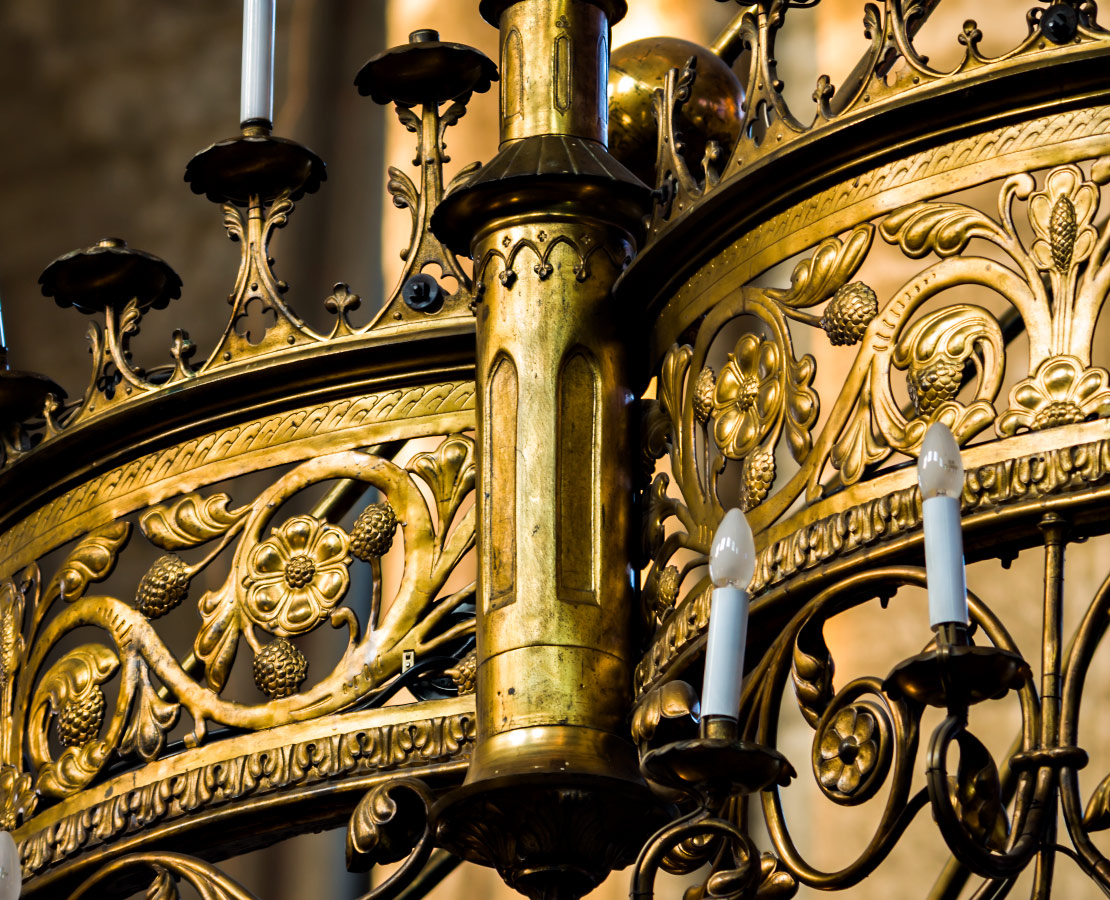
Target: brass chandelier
[{"x": 502, "y": 492}]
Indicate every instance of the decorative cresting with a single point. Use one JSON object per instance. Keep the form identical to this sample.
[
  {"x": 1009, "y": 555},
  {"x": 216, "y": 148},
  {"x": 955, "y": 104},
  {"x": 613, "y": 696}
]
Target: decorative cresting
[
  {"x": 891, "y": 77},
  {"x": 994, "y": 335},
  {"x": 256, "y": 178}
]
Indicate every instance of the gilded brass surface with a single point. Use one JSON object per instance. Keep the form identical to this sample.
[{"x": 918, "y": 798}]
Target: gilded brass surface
[
  {"x": 554, "y": 647},
  {"x": 521, "y": 375},
  {"x": 553, "y": 62}
]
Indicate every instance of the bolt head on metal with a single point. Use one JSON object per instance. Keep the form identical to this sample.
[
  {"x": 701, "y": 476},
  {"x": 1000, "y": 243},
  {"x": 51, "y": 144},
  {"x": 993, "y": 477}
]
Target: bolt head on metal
[
  {"x": 423, "y": 293},
  {"x": 1059, "y": 23}
]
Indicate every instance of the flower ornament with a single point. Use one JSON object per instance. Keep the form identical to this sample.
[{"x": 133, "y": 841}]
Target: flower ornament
[
  {"x": 748, "y": 396},
  {"x": 1063, "y": 391},
  {"x": 849, "y": 751},
  {"x": 17, "y": 797},
  {"x": 1061, "y": 215},
  {"x": 297, "y": 576}
]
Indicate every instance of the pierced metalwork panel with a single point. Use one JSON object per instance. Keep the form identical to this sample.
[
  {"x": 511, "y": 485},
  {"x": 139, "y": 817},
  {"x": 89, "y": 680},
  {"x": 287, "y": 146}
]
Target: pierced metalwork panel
[{"x": 119, "y": 721}]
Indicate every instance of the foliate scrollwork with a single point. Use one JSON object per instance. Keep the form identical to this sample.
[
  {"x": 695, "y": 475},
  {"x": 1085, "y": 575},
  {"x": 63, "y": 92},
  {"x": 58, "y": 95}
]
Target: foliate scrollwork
[
  {"x": 287, "y": 577},
  {"x": 1057, "y": 287},
  {"x": 1062, "y": 391},
  {"x": 389, "y": 824},
  {"x": 18, "y": 798},
  {"x": 189, "y": 521},
  {"x": 169, "y": 868},
  {"x": 953, "y": 359},
  {"x": 70, "y": 696},
  {"x": 762, "y": 397},
  {"x": 867, "y": 737}
]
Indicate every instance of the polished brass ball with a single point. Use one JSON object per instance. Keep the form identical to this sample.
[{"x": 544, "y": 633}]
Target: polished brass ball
[{"x": 711, "y": 114}]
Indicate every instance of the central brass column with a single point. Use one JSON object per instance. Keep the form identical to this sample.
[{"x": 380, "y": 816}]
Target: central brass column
[{"x": 551, "y": 222}]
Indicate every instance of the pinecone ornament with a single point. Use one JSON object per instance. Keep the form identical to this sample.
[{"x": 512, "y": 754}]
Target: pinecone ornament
[
  {"x": 163, "y": 587},
  {"x": 669, "y": 582},
  {"x": 463, "y": 673},
  {"x": 703, "y": 394},
  {"x": 79, "y": 720},
  {"x": 372, "y": 534},
  {"x": 756, "y": 479},
  {"x": 1057, "y": 413},
  {"x": 1063, "y": 229},
  {"x": 279, "y": 669},
  {"x": 849, "y": 313},
  {"x": 930, "y": 386}
]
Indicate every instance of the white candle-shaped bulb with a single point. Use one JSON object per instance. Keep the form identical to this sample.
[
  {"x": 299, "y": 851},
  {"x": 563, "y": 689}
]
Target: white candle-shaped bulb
[
  {"x": 940, "y": 471},
  {"x": 731, "y": 567},
  {"x": 941, "y": 477},
  {"x": 732, "y": 556},
  {"x": 256, "y": 100},
  {"x": 11, "y": 877}
]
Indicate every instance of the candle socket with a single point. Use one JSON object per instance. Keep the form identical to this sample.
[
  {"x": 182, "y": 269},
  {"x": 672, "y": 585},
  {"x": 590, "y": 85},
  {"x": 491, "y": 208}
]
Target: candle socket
[
  {"x": 953, "y": 634},
  {"x": 718, "y": 728},
  {"x": 256, "y": 127}
]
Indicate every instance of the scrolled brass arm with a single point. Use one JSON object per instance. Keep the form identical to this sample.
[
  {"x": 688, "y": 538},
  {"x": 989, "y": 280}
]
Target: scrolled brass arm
[{"x": 742, "y": 877}]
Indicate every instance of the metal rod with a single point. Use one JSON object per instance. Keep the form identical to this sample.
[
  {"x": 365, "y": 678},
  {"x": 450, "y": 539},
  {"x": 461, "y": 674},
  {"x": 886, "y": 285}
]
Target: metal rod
[
  {"x": 439, "y": 867},
  {"x": 1054, "y": 527}
]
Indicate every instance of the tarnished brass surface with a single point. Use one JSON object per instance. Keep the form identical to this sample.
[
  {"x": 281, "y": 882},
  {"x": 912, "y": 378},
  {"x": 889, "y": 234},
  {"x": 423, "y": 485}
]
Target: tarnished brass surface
[
  {"x": 554, "y": 643},
  {"x": 555, "y": 426}
]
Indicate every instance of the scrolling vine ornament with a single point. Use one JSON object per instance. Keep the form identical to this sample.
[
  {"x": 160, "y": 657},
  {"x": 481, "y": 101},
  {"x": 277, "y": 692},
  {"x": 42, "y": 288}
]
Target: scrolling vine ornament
[
  {"x": 953, "y": 360},
  {"x": 287, "y": 577},
  {"x": 388, "y": 825}
]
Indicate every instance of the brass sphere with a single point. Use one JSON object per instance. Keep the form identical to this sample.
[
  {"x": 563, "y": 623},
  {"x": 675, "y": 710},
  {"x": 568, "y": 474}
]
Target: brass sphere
[{"x": 711, "y": 113}]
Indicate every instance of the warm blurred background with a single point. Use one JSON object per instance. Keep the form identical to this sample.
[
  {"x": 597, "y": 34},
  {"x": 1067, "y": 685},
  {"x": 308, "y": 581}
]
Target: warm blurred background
[{"x": 103, "y": 104}]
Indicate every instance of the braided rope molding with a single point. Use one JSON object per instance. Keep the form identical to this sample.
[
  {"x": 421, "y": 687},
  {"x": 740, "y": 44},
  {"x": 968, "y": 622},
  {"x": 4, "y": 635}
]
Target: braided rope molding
[
  {"x": 1049, "y": 472},
  {"x": 297, "y": 434},
  {"x": 324, "y": 757}
]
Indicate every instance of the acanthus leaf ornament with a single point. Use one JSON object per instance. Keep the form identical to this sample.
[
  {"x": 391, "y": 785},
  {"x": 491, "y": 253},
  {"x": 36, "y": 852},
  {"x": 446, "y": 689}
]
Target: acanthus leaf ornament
[
  {"x": 287, "y": 577},
  {"x": 151, "y": 719},
  {"x": 17, "y": 797},
  {"x": 189, "y": 521},
  {"x": 829, "y": 497},
  {"x": 1061, "y": 392}
]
